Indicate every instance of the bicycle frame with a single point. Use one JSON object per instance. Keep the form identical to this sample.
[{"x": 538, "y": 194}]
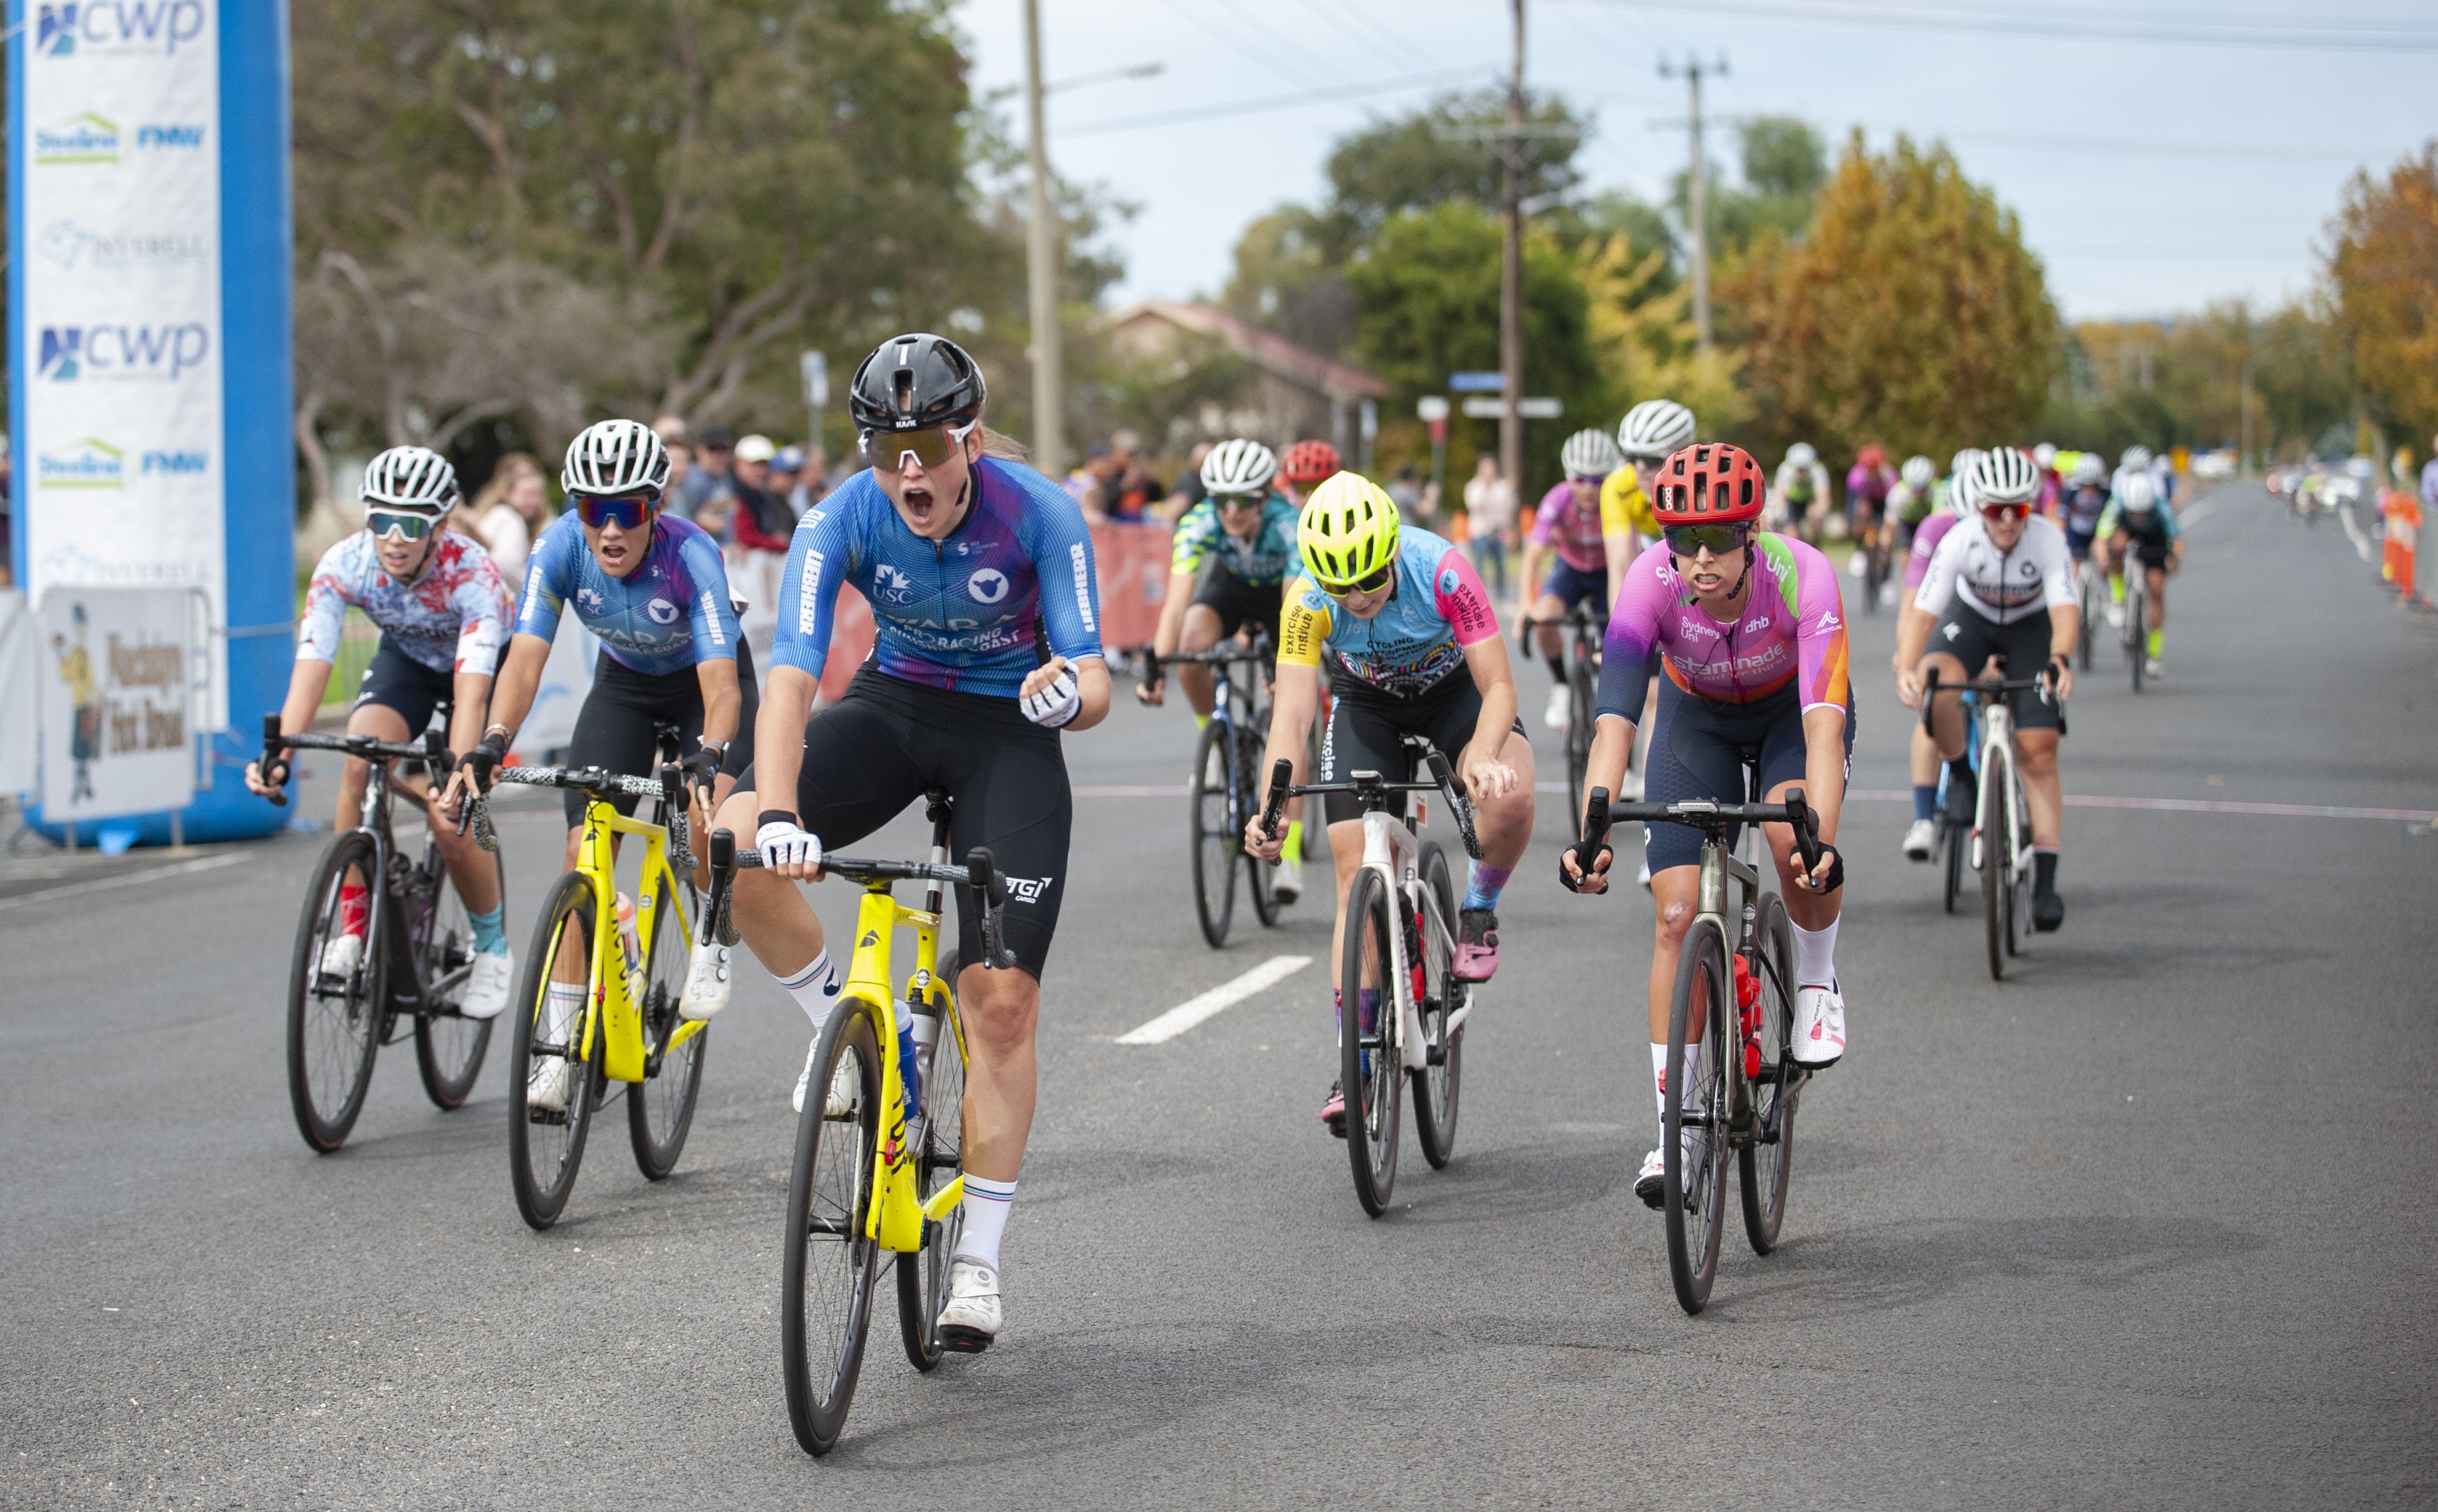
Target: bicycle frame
[
  {"x": 611, "y": 1012},
  {"x": 895, "y": 1217},
  {"x": 1393, "y": 850}
]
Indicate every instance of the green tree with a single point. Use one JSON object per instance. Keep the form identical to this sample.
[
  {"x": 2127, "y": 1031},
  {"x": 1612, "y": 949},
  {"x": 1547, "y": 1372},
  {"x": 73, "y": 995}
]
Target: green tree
[
  {"x": 1910, "y": 313},
  {"x": 1785, "y": 165},
  {"x": 1449, "y": 151},
  {"x": 2383, "y": 275}
]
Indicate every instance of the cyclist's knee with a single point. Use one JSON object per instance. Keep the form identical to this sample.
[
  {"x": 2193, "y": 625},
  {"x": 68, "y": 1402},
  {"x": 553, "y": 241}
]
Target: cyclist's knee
[
  {"x": 2036, "y": 750},
  {"x": 998, "y": 1009}
]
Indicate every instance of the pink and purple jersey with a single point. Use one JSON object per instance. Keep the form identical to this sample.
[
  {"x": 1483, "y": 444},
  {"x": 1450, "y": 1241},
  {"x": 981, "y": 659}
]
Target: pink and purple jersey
[
  {"x": 1925, "y": 545},
  {"x": 1573, "y": 526},
  {"x": 1793, "y": 630}
]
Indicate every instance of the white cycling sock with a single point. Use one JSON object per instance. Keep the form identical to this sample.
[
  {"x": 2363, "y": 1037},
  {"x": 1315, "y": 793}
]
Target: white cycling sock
[
  {"x": 986, "y": 1213},
  {"x": 1815, "y": 955},
  {"x": 561, "y": 1002},
  {"x": 1659, "y": 1078},
  {"x": 815, "y": 989}
]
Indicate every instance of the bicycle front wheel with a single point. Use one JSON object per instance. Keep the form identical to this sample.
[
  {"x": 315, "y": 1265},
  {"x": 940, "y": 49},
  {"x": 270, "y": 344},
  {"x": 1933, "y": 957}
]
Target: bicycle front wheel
[
  {"x": 1441, "y": 1077},
  {"x": 1693, "y": 1127},
  {"x": 827, "y": 1273},
  {"x": 1582, "y": 702},
  {"x": 545, "y": 1060},
  {"x": 660, "y": 1109},
  {"x": 1997, "y": 863},
  {"x": 1370, "y": 1074},
  {"x": 449, "y": 1047},
  {"x": 1766, "y": 1163},
  {"x": 1251, "y": 741},
  {"x": 1951, "y": 839},
  {"x": 1215, "y": 850},
  {"x": 940, "y": 1157},
  {"x": 334, "y": 1018}
]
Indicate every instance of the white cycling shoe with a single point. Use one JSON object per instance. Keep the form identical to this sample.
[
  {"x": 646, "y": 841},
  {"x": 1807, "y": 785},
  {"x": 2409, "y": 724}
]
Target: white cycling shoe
[
  {"x": 1286, "y": 884},
  {"x": 1651, "y": 1185},
  {"x": 1922, "y": 839},
  {"x": 841, "y": 1101},
  {"x": 547, "y": 1087},
  {"x": 2115, "y": 616},
  {"x": 972, "y": 1317},
  {"x": 490, "y": 979},
  {"x": 706, "y": 988},
  {"x": 341, "y": 954},
  {"x": 1554, "y": 718},
  {"x": 1819, "y": 1028}
]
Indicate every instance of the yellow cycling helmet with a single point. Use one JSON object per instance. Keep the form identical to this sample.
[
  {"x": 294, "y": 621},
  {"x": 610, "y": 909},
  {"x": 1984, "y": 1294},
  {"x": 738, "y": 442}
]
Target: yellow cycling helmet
[{"x": 1347, "y": 531}]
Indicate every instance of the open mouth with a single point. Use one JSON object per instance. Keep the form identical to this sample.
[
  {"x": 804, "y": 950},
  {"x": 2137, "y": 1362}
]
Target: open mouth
[{"x": 918, "y": 503}]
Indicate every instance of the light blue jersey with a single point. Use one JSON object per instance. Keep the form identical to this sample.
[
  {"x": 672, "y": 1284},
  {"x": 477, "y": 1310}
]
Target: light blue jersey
[{"x": 672, "y": 611}]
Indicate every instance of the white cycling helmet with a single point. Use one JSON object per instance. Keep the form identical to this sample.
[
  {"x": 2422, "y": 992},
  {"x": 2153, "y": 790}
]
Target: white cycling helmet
[
  {"x": 2135, "y": 458},
  {"x": 2045, "y": 455},
  {"x": 1655, "y": 429},
  {"x": 1801, "y": 454},
  {"x": 1959, "y": 481},
  {"x": 2005, "y": 476},
  {"x": 2137, "y": 493},
  {"x": 415, "y": 480},
  {"x": 615, "y": 457},
  {"x": 1589, "y": 454},
  {"x": 1919, "y": 473},
  {"x": 1239, "y": 467},
  {"x": 2091, "y": 468}
]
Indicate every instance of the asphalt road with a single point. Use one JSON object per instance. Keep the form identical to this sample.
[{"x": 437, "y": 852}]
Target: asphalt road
[{"x": 2148, "y": 1224}]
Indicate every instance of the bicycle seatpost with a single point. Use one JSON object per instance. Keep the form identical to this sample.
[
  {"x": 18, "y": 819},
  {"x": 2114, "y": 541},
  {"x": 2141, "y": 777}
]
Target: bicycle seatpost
[{"x": 271, "y": 755}]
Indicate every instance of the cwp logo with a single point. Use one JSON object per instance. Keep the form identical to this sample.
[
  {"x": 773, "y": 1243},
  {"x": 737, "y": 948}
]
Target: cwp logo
[
  {"x": 64, "y": 29},
  {"x": 84, "y": 137},
  {"x": 90, "y": 463},
  {"x": 123, "y": 353}
]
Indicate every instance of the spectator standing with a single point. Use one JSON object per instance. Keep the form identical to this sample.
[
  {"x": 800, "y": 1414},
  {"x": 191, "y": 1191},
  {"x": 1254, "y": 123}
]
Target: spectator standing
[
  {"x": 712, "y": 474},
  {"x": 1094, "y": 484},
  {"x": 1408, "y": 493},
  {"x": 786, "y": 478},
  {"x": 1188, "y": 490},
  {"x": 508, "y": 526},
  {"x": 761, "y": 523},
  {"x": 1490, "y": 522},
  {"x": 1134, "y": 487}
]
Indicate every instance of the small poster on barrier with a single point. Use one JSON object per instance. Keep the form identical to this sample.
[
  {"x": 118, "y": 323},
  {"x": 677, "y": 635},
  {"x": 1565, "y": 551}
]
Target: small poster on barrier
[{"x": 116, "y": 673}]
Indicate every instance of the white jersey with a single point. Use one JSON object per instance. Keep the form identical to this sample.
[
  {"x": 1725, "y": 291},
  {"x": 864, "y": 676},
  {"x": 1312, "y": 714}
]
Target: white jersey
[{"x": 2001, "y": 586}]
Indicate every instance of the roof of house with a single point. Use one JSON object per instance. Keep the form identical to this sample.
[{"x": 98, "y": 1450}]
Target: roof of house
[{"x": 1265, "y": 349}]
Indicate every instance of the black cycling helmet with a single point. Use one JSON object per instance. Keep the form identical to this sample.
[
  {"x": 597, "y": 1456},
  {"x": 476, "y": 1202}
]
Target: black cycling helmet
[{"x": 914, "y": 381}]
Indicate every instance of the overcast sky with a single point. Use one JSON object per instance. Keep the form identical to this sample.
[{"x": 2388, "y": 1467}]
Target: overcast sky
[{"x": 2152, "y": 172}]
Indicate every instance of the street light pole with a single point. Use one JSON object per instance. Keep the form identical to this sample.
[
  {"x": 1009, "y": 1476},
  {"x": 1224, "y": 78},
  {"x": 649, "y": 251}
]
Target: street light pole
[
  {"x": 1041, "y": 266},
  {"x": 1511, "y": 282},
  {"x": 1697, "y": 203}
]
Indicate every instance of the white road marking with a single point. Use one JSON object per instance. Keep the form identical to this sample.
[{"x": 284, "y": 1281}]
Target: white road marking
[
  {"x": 127, "y": 880},
  {"x": 1220, "y": 998}
]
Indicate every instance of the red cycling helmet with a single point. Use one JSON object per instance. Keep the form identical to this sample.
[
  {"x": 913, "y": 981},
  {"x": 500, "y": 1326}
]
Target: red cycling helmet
[
  {"x": 1872, "y": 457},
  {"x": 1309, "y": 461},
  {"x": 1709, "y": 484}
]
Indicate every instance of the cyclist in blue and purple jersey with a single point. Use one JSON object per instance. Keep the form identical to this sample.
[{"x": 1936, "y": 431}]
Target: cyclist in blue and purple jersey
[{"x": 979, "y": 575}]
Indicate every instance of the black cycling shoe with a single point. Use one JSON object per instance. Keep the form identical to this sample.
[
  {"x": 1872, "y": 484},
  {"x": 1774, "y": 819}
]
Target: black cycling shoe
[
  {"x": 1963, "y": 796},
  {"x": 2048, "y": 911}
]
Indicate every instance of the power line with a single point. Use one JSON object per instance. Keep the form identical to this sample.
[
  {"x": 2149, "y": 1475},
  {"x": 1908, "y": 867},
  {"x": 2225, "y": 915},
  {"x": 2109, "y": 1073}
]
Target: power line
[
  {"x": 1269, "y": 103},
  {"x": 1371, "y": 34},
  {"x": 2295, "y": 32}
]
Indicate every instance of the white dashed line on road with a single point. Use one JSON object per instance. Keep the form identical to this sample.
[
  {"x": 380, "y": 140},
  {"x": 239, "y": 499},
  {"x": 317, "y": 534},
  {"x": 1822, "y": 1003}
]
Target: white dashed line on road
[
  {"x": 130, "y": 879},
  {"x": 1220, "y": 998}
]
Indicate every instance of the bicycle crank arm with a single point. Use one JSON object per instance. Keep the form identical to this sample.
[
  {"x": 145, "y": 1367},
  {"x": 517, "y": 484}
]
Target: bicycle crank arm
[{"x": 944, "y": 1200}]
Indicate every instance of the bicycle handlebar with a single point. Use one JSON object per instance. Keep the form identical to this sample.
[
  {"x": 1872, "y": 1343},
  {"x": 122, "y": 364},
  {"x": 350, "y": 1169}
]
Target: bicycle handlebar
[
  {"x": 2045, "y": 683},
  {"x": 589, "y": 779},
  {"x": 979, "y": 874},
  {"x": 432, "y": 750},
  {"x": 1442, "y": 781}
]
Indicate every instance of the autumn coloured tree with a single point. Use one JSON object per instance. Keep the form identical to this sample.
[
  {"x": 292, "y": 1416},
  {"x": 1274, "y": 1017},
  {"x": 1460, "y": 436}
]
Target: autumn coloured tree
[
  {"x": 2383, "y": 265},
  {"x": 1910, "y": 313}
]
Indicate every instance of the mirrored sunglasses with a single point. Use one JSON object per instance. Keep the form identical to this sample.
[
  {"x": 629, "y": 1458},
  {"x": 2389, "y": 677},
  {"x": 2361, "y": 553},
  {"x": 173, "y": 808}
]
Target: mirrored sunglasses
[
  {"x": 885, "y": 450},
  {"x": 1688, "y": 541},
  {"x": 397, "y": 523},
  {"x": 629, "y": 511}
]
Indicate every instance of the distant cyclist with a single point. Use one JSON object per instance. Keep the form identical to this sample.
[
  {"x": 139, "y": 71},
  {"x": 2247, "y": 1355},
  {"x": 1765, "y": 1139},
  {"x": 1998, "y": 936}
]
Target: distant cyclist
[
  {"x": 1306, "y": 464},
  {"x": 441, "y": 612},
  {"x": 1954, "y": 497},
  {"x": 980, "y": 576},
  {"x": 1651, "y": 432},
  {"x": 2002, "y": 585},
  {"x": 1575, "y": 524},
  {"x": 653, "y": 588},
  {"x": 1800, "y": 499},
  {"x": 1749, "y": 628},
  {"x": 2141, "y": 526},
  {"x": 1412, "y": 644},
  {"x": 1912, "y": 501},
  {"x": 1228, "y": 572},
  {"x": 2080, "y": 504},
  {"x": 2044, "y": 457}
]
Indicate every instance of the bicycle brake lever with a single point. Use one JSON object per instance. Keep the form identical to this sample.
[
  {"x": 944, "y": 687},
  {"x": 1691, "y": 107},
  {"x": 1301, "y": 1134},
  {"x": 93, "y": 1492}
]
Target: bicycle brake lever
[
  {"x": 723, "y": 868},
  {"x": 1281, "y": 775},
  {"x": 990, "y": 892},
  {"x": 270, "y": 757},
  {"x": 1459, "y": 804},
  {"x": 1807, "y": 828},
  {"x": 1594, "y": 832}
]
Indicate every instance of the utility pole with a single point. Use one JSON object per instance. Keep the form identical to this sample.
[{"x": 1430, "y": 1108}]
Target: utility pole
[
  {"x": 1697, "y": 201},
  {"x": 1041, "y": 265},
  {"x": 1511, "y": 281}
]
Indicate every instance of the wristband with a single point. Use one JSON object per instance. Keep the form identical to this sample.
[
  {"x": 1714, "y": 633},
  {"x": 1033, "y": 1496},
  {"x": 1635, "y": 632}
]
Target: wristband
[{"x": 774, "y": 815}]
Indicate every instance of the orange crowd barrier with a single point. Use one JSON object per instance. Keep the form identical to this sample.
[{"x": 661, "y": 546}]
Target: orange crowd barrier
[{"x": 1133, "y": 563}]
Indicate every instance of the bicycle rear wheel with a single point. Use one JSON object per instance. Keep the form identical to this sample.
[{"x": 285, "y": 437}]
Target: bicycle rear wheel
[
  {"x": 1583, "y": 702},
  {"x": 334, "y": 1026},
  {"x": 1371, "y": 1075},
  {"x": 2137, "y": 641},
  {"x": 1766, "y": 1163},
  {"x": 1693, "y": 1126},
  {"x": 940, "y": 1156},
  {"x": 449, "y": 1047},
  {"x": 2019, "y": 881},
  {"x": 1215, "y": 851},
  {"x": 660, "y": 1109},
  {"x": 1875, "y": 571},
  {"x": 1951, "y": 839},
  {"x": 1251, "y": 741},
  {"x": 1436, "y": 1084},
  {"x": 826, "y": 1274},
  {"x": 2093, "y": 600},
  {"x": 1997, "y": 864},
  {"x": 546, "y": 1145}
]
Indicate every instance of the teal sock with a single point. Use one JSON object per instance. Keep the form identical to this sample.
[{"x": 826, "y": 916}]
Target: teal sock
[
  {"x": 489, "y": 939},
  {"x": 1488, "y": 882},
  {"x": 1925, "y": 800}
]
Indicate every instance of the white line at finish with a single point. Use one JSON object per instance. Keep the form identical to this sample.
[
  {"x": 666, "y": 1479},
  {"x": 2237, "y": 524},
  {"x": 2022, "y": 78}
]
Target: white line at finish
[
  {"x": 105, "y": 883},
  {"x": 1220, "y": 998}
]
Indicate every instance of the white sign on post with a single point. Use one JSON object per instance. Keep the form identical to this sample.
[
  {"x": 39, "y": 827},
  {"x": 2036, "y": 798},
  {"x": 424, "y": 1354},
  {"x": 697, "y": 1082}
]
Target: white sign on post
[
  {"x": 120, "y": 360},
  {"x": 117, "y": 675}
]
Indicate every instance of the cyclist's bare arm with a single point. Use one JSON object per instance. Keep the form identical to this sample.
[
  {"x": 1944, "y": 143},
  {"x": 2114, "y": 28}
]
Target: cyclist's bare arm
[
  {"x": 722, "y": 699},
  {"x": 1295, "y": 700},
  {"x": 521, "y": 668},
  {"x": 1621, "y": 548},
  {"x": 1170, "y": 629},
  {"x": 306, "y": 686},
  {"x": 779, "y": 738},
  {"x": 1486, "y": 776}
]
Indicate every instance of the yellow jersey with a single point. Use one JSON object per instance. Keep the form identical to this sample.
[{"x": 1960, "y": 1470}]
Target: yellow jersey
[{"x": 1623, "y": 506}]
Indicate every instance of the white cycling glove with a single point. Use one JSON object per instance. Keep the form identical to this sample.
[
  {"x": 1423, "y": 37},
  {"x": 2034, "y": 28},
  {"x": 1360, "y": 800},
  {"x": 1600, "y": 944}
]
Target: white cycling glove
[
  {"x": 1056, "y": 704},
  {"x": 782, "y": 842}
]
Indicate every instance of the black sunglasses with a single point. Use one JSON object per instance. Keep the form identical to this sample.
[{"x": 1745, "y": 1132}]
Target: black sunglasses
[{"x": 1688, "y": 541}]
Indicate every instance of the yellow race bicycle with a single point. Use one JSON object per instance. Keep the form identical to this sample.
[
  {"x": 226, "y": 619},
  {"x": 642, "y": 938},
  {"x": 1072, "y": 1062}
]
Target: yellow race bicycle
[
  {"x": 885, "y": 1174},
  {"x": 627, "y": 1029}
]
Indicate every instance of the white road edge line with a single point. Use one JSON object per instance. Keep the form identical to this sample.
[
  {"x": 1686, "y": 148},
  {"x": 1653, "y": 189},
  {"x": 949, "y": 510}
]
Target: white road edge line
[
  {"x": 105, "y": 883},
  {"x": 1219, "y": 999}
]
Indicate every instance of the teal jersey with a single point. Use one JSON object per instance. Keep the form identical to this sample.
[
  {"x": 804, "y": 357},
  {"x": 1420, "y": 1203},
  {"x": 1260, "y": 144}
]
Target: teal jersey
[{"x": 1263, "y": 561}]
